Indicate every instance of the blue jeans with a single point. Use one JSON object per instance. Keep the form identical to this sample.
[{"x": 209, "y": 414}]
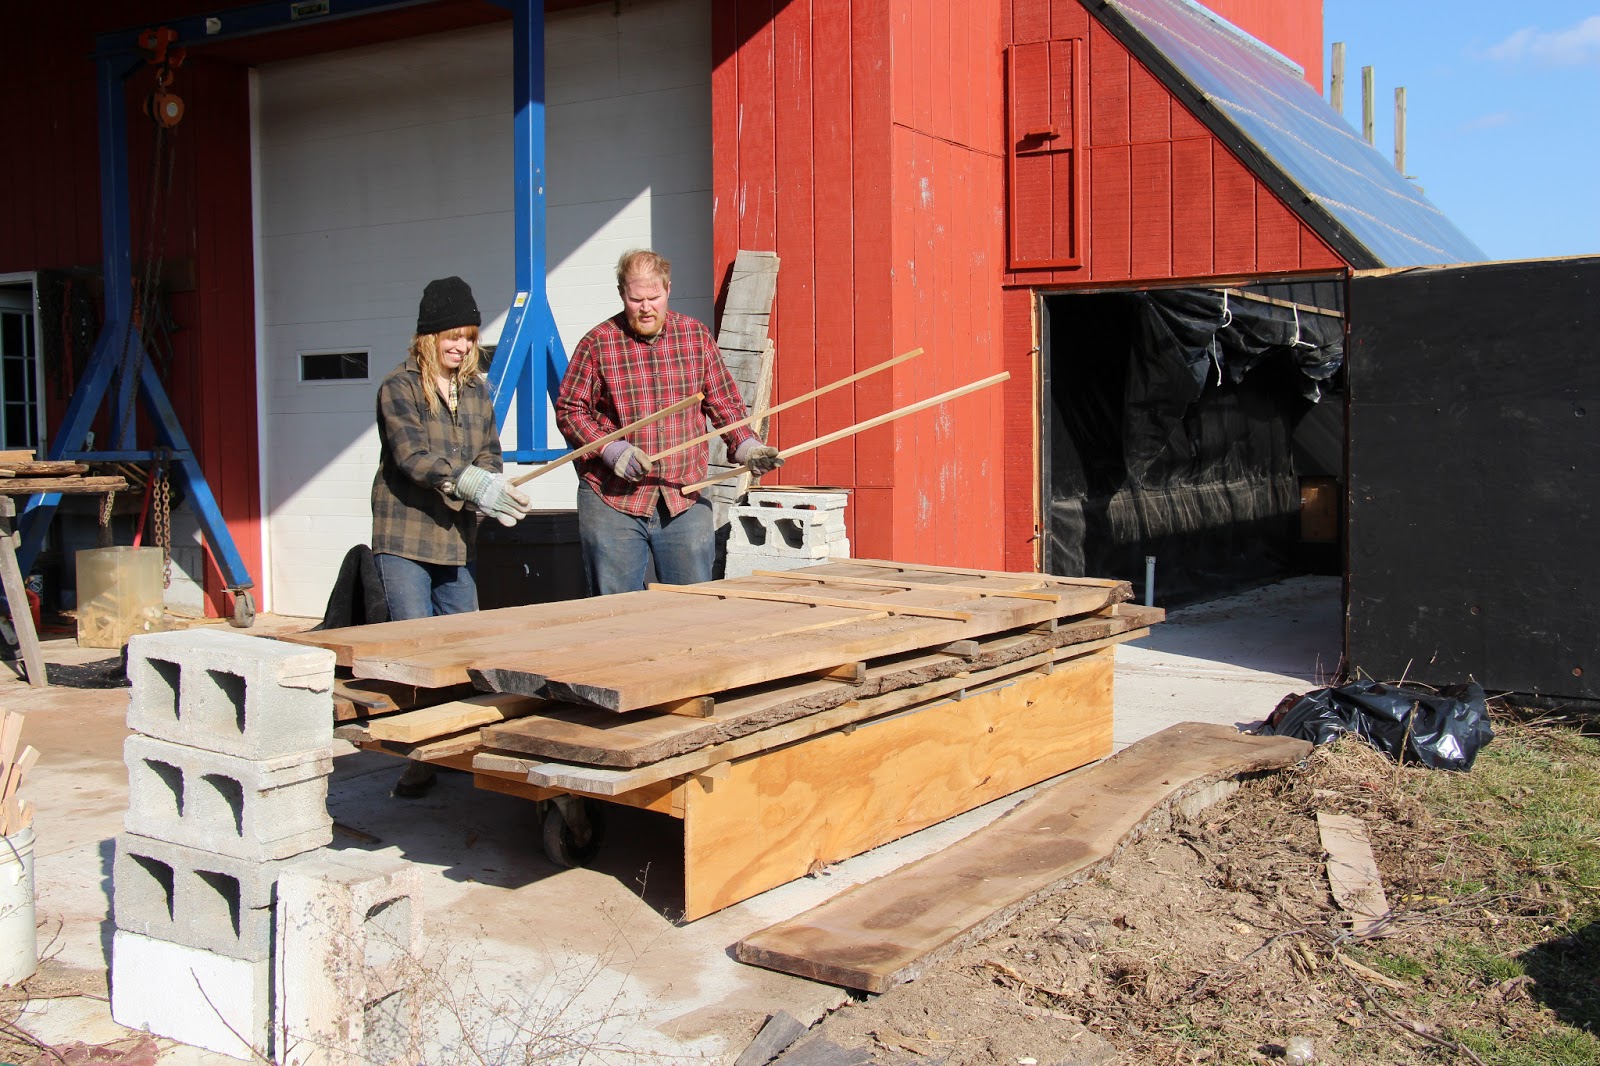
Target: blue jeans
[
  {"x": 618, "y": 547},
  {"x": 422, "y": 590}
]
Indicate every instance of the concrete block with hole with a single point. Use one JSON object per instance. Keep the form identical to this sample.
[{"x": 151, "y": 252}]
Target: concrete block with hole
[
  {"x": 247, "y": 696},
  {"x": 192, "y": 995},
  {"x": 257, "y": 809},
  {"x": 348, "y": 961},
  {"x": 195, "y": 898},
  {"x": 783, "y": 531},
  {"x": 807, "y": 499}
]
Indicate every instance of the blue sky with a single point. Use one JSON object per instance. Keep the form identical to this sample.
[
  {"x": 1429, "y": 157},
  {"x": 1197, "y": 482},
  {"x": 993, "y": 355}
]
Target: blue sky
[{"x": 1502, "y": 111}]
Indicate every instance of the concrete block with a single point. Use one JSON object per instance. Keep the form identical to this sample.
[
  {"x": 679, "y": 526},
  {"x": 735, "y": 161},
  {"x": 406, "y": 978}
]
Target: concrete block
[
  {"x": 776, "y": 531},
  {"x": 248, "y": 809},
  {"x": 247, "y": 696},
  {"x": 192, "y": 996},
  {"x": 743, "y": 564},
  {"x": 812, "y": 499},
  {"x": 349, "y": 955},
  {"x": 195, "y": 898}
]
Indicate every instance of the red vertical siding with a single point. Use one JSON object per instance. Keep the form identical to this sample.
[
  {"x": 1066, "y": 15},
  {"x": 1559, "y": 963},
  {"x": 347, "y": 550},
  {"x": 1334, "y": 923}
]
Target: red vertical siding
[{"x": 52, "y": 215}]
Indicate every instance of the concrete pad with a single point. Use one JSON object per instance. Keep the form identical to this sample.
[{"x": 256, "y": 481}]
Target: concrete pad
[{"x": 521, "y": 949}]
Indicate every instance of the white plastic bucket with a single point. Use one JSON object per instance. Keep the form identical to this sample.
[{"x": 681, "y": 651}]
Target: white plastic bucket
[{"x": 19, "y": 947}]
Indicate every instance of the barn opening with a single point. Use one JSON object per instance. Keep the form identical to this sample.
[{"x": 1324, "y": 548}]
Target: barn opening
[{"x": 1203, "y": 427}]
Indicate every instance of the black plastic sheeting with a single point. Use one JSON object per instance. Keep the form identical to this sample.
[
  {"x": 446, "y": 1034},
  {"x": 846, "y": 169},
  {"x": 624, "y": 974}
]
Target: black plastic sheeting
[
  {"x": 1171, "y": 426},
  {"x": 1443, "y": 729}
]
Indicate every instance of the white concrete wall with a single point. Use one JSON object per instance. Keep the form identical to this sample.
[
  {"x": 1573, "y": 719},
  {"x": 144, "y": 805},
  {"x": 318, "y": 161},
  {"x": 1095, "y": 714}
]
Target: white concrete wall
[{"x": 383, "y": 167}]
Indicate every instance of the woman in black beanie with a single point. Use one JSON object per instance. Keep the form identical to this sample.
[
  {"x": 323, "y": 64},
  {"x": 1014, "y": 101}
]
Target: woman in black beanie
[{"x": 440, "y": 452}]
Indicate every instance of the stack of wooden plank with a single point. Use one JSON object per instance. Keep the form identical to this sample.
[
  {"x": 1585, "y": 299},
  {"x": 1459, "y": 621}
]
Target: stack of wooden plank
[
  {"x": 649, "y": 698},
  {"x": 23, "y": 475}
]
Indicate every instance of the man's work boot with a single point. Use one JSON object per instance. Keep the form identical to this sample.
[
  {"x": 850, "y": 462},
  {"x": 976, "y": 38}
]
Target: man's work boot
[{"x": 416, "y": 781}]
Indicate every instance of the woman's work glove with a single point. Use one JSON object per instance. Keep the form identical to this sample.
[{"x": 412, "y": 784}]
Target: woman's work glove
[
  {"x": 760, "y": 458},
  {"x": 628, "y": 462},
  {"x": 492, "y": 493}
]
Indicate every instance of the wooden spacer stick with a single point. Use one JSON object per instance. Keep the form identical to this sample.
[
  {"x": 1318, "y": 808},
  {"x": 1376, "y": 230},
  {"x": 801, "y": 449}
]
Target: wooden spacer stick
[
  {"x": 785, "y": 405},
  {"x": 849, "y": 431},
  {"x": 883, "y": 607},
  {"x": 614, "y": 435}
]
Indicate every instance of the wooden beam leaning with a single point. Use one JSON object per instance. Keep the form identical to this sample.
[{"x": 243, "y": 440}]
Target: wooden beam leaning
[
  {"x": 860, "y": 427},
  {"x": 609, "y": 438},
  {"x": 767, "y": 412},
  {"x": 872, "y": 582},
  {"x": 814, "y": 601}
]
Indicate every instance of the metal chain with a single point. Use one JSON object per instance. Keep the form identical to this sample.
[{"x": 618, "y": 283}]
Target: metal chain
[
  {"x": 163, "y": 521},
  {"x": 105, "y": 511}
]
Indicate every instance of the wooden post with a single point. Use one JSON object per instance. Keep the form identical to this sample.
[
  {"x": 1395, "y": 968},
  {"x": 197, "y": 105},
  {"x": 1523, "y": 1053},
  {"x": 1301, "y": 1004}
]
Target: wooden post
[
  {"x": 1336, "y": 84},
  {"x": 1366, "y": 105},
  {"x": 17, "y": 597},
  {"x": 1400, "y": 130}
]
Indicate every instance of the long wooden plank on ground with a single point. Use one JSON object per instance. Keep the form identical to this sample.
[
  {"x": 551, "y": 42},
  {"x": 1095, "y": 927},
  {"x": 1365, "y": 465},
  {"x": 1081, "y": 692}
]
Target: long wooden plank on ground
[
  {"x": 589, "y": 735},
  {"x": 655, "y": 679},
  {"x": 412, "y": 727},
  {"x": 606, "y": 781},
  {"x": 888, "y": 931}
]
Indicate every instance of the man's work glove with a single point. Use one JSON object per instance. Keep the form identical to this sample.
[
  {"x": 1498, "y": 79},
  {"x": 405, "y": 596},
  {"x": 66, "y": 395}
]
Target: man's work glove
[
  {"x": 628, "y": 462},
  {"x": 492, "y": 493},
  {"x": 760, "y": 458}
]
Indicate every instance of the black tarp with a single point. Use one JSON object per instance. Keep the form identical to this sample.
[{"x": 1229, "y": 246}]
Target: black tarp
[{"x": 1171, "y": 421}]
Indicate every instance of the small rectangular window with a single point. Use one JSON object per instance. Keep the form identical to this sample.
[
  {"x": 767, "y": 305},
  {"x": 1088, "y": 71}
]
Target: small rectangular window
[{"x": 333, "y": 366}]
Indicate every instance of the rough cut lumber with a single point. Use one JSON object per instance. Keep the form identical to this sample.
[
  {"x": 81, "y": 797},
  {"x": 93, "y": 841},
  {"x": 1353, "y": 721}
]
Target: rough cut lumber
[
  {"x": 781, "y": 1030},
  {"x": 880, "y": 606},
  {"x": 362, "y": 698},
  {"x": 605, "y": 781},
  {"x": 888, "y": 931},
  {"x": 595, "y": 737},
  {"x": 654, "y": 679},
  {"x": 412, "y": 727},
  {"x": 1353, "y": 876},
  {"x": 1020, "y": 594},
  {"x": 27, "y": 486}
]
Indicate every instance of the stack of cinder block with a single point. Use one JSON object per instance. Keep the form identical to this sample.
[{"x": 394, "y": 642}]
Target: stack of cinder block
[
  {"x": 785, "y": 529},
  {"x": 227, "y": 784}
]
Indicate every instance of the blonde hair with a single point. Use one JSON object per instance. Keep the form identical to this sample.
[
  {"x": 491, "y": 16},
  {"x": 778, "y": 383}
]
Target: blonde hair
[
  {"x": 425, "y": 350},
  {"x": 643, "y": 263}
]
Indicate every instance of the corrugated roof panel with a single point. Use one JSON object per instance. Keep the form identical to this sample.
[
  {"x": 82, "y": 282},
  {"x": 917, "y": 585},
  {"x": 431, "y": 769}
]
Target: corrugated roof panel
[{"x": 1266, "y": 100}]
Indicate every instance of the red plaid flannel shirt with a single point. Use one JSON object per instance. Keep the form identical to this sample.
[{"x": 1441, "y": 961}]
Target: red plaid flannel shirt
[{"x": 616, "y": 378}]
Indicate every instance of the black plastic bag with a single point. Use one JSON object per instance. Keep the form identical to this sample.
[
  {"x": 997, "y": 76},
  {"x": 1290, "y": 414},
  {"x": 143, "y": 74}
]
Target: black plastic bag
[{"x": 1441, "y": 729}]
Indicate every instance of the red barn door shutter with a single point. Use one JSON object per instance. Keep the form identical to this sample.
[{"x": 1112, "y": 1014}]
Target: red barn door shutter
[{"x": 1044, "y": 83}]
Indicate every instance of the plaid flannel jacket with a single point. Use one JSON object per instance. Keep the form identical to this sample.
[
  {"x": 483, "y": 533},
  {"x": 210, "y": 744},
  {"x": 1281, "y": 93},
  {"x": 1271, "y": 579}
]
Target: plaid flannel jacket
[
  {"x": 616, "y": 378},
  {"x": 421, "y": 449}
]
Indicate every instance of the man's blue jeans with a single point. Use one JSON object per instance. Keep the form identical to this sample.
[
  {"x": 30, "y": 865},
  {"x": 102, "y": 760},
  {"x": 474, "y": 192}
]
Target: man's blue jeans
[
  {"x": 618, "y": 547},
  {"x": 422, "y": 590}
]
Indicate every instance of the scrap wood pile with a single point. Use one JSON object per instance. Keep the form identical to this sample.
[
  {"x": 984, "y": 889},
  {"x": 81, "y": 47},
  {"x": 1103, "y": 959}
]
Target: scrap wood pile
[
  {"x": 23, "y": 475},
  {"x": 15, "y": 814},
  {"x": 606, "y": 695}
]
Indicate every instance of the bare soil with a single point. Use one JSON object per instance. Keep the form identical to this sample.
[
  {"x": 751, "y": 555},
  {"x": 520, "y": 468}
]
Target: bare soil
[{"x": 1220, "y": 942}]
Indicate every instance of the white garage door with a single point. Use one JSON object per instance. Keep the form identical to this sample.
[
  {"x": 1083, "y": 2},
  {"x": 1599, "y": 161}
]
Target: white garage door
[{"x": 380, "y": 168}]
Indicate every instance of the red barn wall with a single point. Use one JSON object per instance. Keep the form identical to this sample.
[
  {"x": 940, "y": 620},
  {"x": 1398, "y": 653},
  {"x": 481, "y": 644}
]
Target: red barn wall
[
  {"x": 54, "y": 224},
  {"x": 863, "y": 143},
  {"x": 1161, "y": 199}
]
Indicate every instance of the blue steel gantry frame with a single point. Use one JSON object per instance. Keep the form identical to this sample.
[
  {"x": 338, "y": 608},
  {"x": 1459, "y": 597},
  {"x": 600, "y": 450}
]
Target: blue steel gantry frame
[{"x": 119, "y": 364}]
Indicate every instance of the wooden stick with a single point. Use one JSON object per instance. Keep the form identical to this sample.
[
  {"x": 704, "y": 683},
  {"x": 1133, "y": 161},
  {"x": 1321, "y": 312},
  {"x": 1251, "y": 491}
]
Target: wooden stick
[
  {"x": 615, "y": 435},
  {"x": 860, "y": 427},
  {"x": 785, "y": 405},
  {"x": 723, "y": 592}
]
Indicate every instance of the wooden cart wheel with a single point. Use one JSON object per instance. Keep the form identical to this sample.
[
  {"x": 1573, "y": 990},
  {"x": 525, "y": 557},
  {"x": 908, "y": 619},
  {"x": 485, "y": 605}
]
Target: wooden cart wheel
[
  {"x": 244, "y": 610},
  {"x": 576, "y": 841}
]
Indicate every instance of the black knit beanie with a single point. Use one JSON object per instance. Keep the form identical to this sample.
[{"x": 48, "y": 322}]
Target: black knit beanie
[{"x": 447, "y": 303}]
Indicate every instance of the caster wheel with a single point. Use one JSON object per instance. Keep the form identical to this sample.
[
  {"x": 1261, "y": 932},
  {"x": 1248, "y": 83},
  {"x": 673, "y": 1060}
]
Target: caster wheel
[
  {"x": 572, "y": 846},
  {"x": 244, "y": 610}
]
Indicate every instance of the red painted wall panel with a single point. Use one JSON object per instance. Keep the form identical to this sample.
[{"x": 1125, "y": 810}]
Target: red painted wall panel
[{"x": 1292, "y": 27}]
